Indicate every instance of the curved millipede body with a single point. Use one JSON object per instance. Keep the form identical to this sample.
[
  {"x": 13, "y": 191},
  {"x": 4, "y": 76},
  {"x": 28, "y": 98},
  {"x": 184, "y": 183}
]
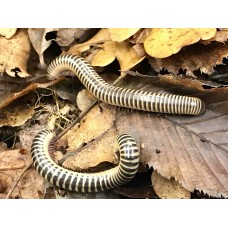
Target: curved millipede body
[
  {"x": 123, "y": 97},
  {"x": 85, "y": 182}
]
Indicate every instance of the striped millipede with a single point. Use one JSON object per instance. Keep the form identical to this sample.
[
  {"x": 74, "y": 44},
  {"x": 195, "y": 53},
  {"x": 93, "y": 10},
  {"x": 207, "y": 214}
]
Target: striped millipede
[
  {"x": 85, "y": 182},
  {"x": 123, "y": 97},
  {"x": 129, "y": 152}
]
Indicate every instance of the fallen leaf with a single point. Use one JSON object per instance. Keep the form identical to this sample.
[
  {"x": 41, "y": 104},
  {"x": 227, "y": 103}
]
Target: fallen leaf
[
  {"x": 39, "y": 41},
  {"x": 99, "y": 38},
  {"x": 192, "y": 149},
  {"x": 7, "y": 32},
  {"x": 192, "y": 58},
  {"x": 121, "y": 34},
  {"x": 84, "y": 99},
  {"x": 18, "y": 88},
  {"x": 95, "y": 133},
  {"x": 220, "y": 36},
  {"x": 164, "y": 42},
  {"x": 66, "y": 36},
  {"x": 168, "y": 189},
  {"x": 14, "y": 54},
  {"x": 125, "y": 54},
  {"x": 15, "y": 115},
  {"x": 106, "y": 55},
  {"x": 12, "y": 162}
]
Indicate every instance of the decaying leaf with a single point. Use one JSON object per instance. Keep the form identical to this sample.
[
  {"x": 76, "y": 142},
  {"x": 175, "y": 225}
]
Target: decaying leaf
[
  {"x": 121, "y": 34},
  {"x": 168, "y": 189},
  {"x": 66, "y": 36},
  {"x": 192, "y": 58},
  {"x": 12, "y": 163},
  {"x": 127, "y": 55},
  {"x": 14, "y": 54},
  {"x": 192, "y": 149},
  {"x": 19, "y": 89},
  {"x": 97, "y": 133},
  {"x": 164, "y": 42},
  {"x": 7, "y": 32},
  {"x": 84, "y": 99},
  {"x": 15, "y": 115},
  {"x": 39, "y": 41},
  {"x": 99, "y": 38}
]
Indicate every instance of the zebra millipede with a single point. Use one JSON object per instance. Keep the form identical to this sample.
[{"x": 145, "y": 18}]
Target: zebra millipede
[
  {"x": 129, "y": 152},
  {"x": 85, "y": 182},
  {"x": 128, "y": 98}
]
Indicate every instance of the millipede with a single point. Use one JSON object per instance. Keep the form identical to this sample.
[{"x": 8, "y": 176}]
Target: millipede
[
  {"x": 128, "y": 149},
  {"x": 85, "y": 182}
]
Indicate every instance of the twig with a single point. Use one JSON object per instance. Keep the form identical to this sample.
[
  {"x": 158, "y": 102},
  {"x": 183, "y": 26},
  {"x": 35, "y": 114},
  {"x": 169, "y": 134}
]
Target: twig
[
  {"x": 11, "y": 168},
  {"x": 18, "y": 179}
]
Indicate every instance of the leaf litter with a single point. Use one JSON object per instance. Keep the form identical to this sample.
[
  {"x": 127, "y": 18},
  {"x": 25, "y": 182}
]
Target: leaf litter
[{"x": 192, "y": 150}]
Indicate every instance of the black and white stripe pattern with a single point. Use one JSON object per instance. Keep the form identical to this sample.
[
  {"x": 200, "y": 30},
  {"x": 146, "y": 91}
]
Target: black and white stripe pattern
[
  {"x": 129, "y": 98},
  {"x": 85, "y": 182}
]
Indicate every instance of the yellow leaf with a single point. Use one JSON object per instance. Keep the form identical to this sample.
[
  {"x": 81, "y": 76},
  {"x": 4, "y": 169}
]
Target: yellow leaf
[
  {"x": 125, "y": 54},
  {"x": 14, "y": 54},
  {"x": 121, "y": 34},
  {"x": 106, "y": 55},
  {"x": 99, "y": 38},
  {"x": 7, "y": 32},
  {"x": 127, "y": 57},
  {"x": 164, "y": 42}
]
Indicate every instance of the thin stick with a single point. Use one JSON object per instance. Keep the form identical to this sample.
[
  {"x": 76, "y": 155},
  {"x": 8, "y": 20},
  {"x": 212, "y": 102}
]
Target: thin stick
[
  {"x": 11, "y": 168},
  {"x": 18, "y": 179}
]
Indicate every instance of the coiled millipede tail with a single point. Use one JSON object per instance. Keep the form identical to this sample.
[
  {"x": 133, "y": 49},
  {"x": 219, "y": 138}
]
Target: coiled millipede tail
[
  {"x": 85, "y": 182},
  {"x": 117, "y": 96}
]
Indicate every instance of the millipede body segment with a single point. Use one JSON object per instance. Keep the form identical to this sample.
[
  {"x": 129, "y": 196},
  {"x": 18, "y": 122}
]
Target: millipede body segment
[
  {"x": 123, "y": 97},
  {"x": 85, "y": 182}
]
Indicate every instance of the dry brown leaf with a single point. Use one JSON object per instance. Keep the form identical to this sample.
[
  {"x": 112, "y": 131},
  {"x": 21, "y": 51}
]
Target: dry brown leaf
[
  {"x": 84, "y": 99},
  {"x": 19, "y": 89},
  {"x": 168, "y": 189},
  {"x": 92, "y": 128},
  {"x": 121, "y": 34},
  {"x": 38, "y": 39},
  {"x": 162, "y": 43},
  {"x": 15, "y": 115},
  {"x": 192, "y": 149},
  {"x": 65, "y": 36},
  {"x": 14, "y": 54},
  {"x": 192, "y": 58},
  {"x": 220, "y": 36},
  {"x": 13, "y": 162},
  {"x": 7, "y": 32},
  {"x": 99, "y": 38}
]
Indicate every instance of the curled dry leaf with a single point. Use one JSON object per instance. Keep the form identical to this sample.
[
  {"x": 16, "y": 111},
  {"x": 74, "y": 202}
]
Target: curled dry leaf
[
  {"x": 14, "y": 54},
  {"x": 66, "y": 36},
  {"x": 168, "y": 189},
  {"x": 126, "y": 55},
  {"x": 195, "y": 57},
  {"x": 192, "y": 149},
  {"x": 121, "y": 34},
  {"x": 99, "y": 38},
  {"x": 7, "y": 32},
  {"x": 162, "y": 43},
  {"x": 39, "y": 41}
]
